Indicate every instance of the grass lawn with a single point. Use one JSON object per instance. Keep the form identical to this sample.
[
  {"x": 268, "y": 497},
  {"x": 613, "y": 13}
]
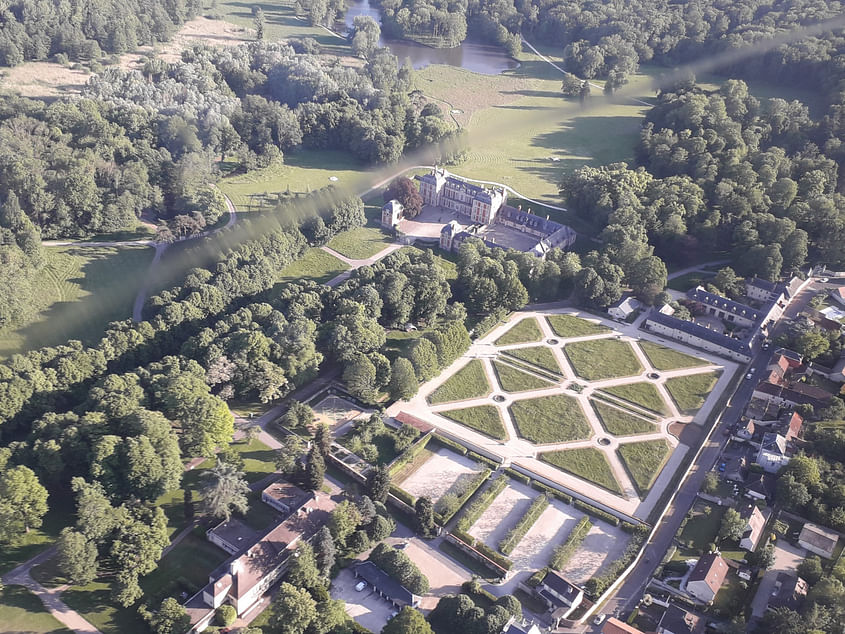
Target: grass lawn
[
  {"x": 644, "y": 460},
  {"x": 21, "y": 611},
  {"x": 570, "y": 326},
  {"x": 94, "y": 602},
  {"x": 701, "y": 529},
  {"x": 642, "y": 394},
  {"x": 315, "y": 265},
  {"x": 689, "y": 280},
  {"x": 588, "y": 463},
  {"x": 550, "y": 419},
  {"x": 513, "y": 380},
  {"x": 537, "y": 355},
  {"x": 360, "y": 243},
  {"x": 468, "y": 382},
  {"x": 691, "y": 391},
  {"x": 399, "y": 343},
  {"x": 663, "y": 358},
  {"x": 483, "y": 418},
  {"x": 602, "y": 359},
  {"x": 619, "y": 422},
  {"x": 77, "y": 293},
  {"x": 525, "y": 331},
  {"x": 61, "y": 513}
]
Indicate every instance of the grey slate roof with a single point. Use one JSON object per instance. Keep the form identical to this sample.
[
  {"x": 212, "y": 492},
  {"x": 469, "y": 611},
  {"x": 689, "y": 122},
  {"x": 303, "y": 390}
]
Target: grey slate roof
[
  {"x": 698, "y": 294},
  {"x": 696, "y": 330},
  {"x": 386, "y": 584},
  {"x": 531, "y": 221}
]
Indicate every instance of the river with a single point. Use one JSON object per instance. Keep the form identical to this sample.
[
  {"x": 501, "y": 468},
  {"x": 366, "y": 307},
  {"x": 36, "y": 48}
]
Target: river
[{"x": 474, "y": 56}]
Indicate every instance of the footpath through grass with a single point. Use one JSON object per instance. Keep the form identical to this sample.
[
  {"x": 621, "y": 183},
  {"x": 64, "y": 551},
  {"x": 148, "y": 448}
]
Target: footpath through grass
[
  {"x": 663, "y": 358},
  {"x": 22, "y": 612},
  {"x": 540, "y": 356},
  {"x": 316, "y": 265},
  {"x": 550, "y": 419},
  {"x": 360, "y": 243},
  {"x": 483, "y": 418},
  {"x": 691, "y": 391},
  {"x": 525, "y": 331},
  {"x": 467, "y": 383},
  {"x": 644, "y": 460},
  {"x": 588, "y": 463},
  {"x": 598, "y": 359},
  {"x": 643, "y": 394},
  {"x": 513, "y": 380},
  {"x": 619, "y": 422},
  {"x": 571, "y": 326}
]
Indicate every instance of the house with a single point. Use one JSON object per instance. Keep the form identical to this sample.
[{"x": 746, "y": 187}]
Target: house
[
  {"x": 385, "y": 585},
  {"x": 772, "y": 454},
  {"x": 725, "y": 309},
  {"x": 761, "y": 486},
  {"x": 763, "y": 290},
  {"x": 707, "y": 577},
  {"x": 698, "y": 336},
  {"x": 790, "y": 424},
  {"x": 624, "y": 308},
  {"x": 560, "y": 595},
  {"x": 838, "y": 295},
  {"x": 818, "y": 540},
  {"x": 745, "y": 430},
  {"x": 676, "y": 620},
  {"x": 666, "y": 309},
  {"x": 521, "y": 628},
  {"x": 735, "y": 469},
  {"x": 232, "y": 536},
  {"x": 391, "y": 214},
  {"x": 790, "y": 592},
  {"x": 283, "y": 496},
  {"x": 755, "y": 522},
  {"x": 615, "y": 626},
  {"x": 792, "y": 396}
]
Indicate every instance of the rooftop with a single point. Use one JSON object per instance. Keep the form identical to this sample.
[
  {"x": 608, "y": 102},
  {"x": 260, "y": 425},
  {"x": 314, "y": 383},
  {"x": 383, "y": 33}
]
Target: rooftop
[
  {"x": 561, "y": 585},
  {"x": 235, "y": 532},
  {"x": 678, "y": 620},
  {"x": 702, "y": 332},
  {"x": 698, "y": 294},
  {"x": 790, "y": 592},
  {"x": 711, "y": 569},
  {"x": 386, "y": 584},
  {"x": 286, "y": 493},
  {"x": 819, "y": 537}
]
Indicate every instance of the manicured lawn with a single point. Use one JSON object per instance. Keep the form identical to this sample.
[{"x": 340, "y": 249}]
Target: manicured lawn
[
  {"x": 701, "y": 529},
  {"x": 95, "y": 603},
  {"x": 61, "y": 513},
  {"x": 525, "y": 331},
  {"x": 644, "y": 460},
  {"x": 21, "y": 611},
  {"x": 587, "y": 463},
  {"x": 688, "y": 280},
  {"x": 360, "y": 243},
  {"x": 316, "y": 265},
  {"x": 642, "y": 394},
  {"x": 571, "y": 326},
  {"x": 514, "y": 380},
  {"x": 619, "y": 422},
  {"x": 550, "y": 419},
  {"x": 602, "y": 359},
  {"x": 77, "y": 293},
  {"x": 663, "y": 358},
  {"x": 691, "y": 391},
  {"x": 185, "y": 568},
  {"x": 483, "y": 418},
  {"x": 468, "y": 382},
  {"x": 537, "y": 355}
]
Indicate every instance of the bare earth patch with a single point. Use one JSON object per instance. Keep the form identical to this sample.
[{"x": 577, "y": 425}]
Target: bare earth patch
[
  {"x": 438, "y": 474},
  {"x": 603, "y": 544},
  {"x": 548, "y": 532},
  {"x": 503, "y": 514},
  {"x": 43, "y": 80}
]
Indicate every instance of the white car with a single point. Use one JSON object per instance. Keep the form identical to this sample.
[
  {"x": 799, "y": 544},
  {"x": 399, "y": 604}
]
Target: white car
[
  {"x": 599, "y": 619},
  {"x": 361, "y": 585},
  {"x": 824, "y": 280}
]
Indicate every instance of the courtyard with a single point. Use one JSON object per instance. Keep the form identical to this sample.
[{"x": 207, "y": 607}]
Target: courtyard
[
  {"x": 581, "y": 401},
  {"x": 444, "y": 472}
]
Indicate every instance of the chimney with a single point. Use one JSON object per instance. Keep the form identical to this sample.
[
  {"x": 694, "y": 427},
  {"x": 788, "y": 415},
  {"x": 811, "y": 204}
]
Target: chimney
[{"x": 547, "y": 216}]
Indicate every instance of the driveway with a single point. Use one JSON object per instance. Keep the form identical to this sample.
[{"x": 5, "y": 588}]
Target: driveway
[
  {"x": 787, "y": 558},
  {"x": 366, "y": 607}
]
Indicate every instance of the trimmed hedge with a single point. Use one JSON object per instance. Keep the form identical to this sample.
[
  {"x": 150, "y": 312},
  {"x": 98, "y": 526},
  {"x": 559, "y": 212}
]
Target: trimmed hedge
[
  {"x": 449, "y": 513},
  {"x": 480, "y": 504},
  {"x": 564, "y": 552},
  {"x": 408, "y": 455},
  {"x": 485, "y": 550},
  {"x": 519, "y": 477},
  {"x": 534, "y": 580},
  {"x": 483, "y": 460},
  {"x": 596, "y": 586},
  {"x": 399, "y": 566},
  {"x": 451, "y": 444},
  {"x": 489, "y": 322},
  {"x": 515, "y": 535},
  {"x": 596, "y": 512},
  {"x": 560, "y": 495},
  {"x": 403, "y": 495}
]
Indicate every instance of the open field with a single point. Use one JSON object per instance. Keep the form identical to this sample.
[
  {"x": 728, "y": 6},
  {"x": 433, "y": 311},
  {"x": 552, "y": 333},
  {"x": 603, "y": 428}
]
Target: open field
[
  {"x": 691, "y": 391},
  {"x": 663, "y": 358},
  {"x": 360, "y": 243},
  {"x": 483, "y": 418},
  {"x": 644, "y": 460},
  {"x": 21, "y": 611},
  {"x": 540, "y": 356},
  {"x": 642, "y": 394},
  {"x": 316, "y": 265},
  {"x": 550, "y": 419},
  {"x": 513, "y": 380},
  {"x": 80, "y": 290},
  {"x": 439, "y": 474},
  {"x": 525, "y": 331},
  {"x": 619, "y": 422},
  {"x": 588, "y": 463},
  {"x": 571, "y": 326},
  {"x": 598, "y": 359},
  {"x": 468, "y": 382}
]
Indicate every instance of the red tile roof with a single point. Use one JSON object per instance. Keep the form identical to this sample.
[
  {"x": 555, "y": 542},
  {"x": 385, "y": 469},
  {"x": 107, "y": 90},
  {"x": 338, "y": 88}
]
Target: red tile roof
[{"x": 711, "y": 569}]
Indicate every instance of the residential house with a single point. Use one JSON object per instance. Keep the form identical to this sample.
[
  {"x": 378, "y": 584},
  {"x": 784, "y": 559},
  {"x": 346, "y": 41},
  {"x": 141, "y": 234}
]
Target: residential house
[
  {"x": 761, "y": 486},
  {"x": 615, "y": 626},
  {"x": 792, "y": 396},
  {"x": 385, "y": 585},
  {"x": 818, "y": 540},
  {"x": 790, "y": 424},
  {"x": 666, "y": 309},
  {"x": 838, "y": 295},
  {"x": 232, "y": 536},
  {"x": 790, "y": 592},
  {"x": 755, "y": 522},
  {"x": 735, "y": 468},
  {"x": 521, "y": 628},
  {"x": 283, "y": 496},
  {"x": 773, "y": 453},
  {"x": 707, "y": 577},
  {"x": 725, "y": 309},
  {"x": 624, "y": 308},
  {"x": 763, "y": 290},
  {"x": 745, "y": 429},
  {"x": 561, "y": 596},
  {"x": 676, "y": 620}
]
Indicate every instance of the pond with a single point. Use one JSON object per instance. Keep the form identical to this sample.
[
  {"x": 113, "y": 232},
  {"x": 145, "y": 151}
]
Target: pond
[{"x": 474, "y": 56}]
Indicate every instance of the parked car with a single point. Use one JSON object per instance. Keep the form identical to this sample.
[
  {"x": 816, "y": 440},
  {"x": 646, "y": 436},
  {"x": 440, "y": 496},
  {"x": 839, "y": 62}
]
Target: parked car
[
  {"x": 599, "y": 619},
  {"x": 722, "y": 467},
  {"x": 361, "y": 585},
  {"x": 824, "y": 280}
]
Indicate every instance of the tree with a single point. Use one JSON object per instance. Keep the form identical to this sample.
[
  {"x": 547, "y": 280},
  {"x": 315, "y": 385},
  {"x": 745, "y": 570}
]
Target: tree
[
  {"x": 763, "y": 558},
  {"x": 365, "y": 36},
  {"x": 323, "y": 439},
  {"x": 289, "y": 453},
  {"x": 811, "y": 344},
  {"x": 728, "y": 282},
  {"x": 359, "y": 375},
  {"x": 315, "y": 469},
  {"x": 293, "y": 610},
  {"x": 425, "y": 517},
  {"x": 344, "y": 520},
  {"x": 408, "y": 621},
  {"x": 732, "y": 526},
  {"x": 424, "y": 359},
  {"x": 380, "y": 528},
  {"x": 77, "y": 557},
  {"x": 571, "y": 86},
  {"x": 324, "y": 551},
  {"x": 23, "y": 502},
  {"x": 804, "y": 469},
  {"x": 224, "y": 490},
  {"x": 251, "y": 432},
  {"x": 403, "y": 190},
  {"x": 811, "y": 570},
  {"x": 648, "y": 278},
  {"x": 225, "y": 615},
  {"x": 298, "y": 416},
  {"x": 403, "y": 380},
  {"x": 170, "y": 618},
  {"x": 711, "y": 482},
  {"x": 378, "y": 483},
  {"x": 791, "y": 493},
  {"x": 259, "y": 22},
  {"x": 303, "y": 572}
]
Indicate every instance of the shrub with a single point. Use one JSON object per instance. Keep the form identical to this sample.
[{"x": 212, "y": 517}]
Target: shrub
[
  {"x": 403, "y": 495},
  {"x": 399, "y": 566},
  {"x": 480, "y": 504},
  {"x": 225, "y": 615},
  {"x": 408, "y": 456},
  {"x": 483, "y": 460},
  {"x": 451, "y": 444},
  {"x": 519, "y": 477},
  {"x": 515, "y": 535},
  {"x": 535, "y": 579},
  {"x": 491, "y": 554},
  {"x": 451, "y": 503},
  {"x": 596, "y": 512},
  {"x": 564, "y": 552},
  {"x": 489, "y": 322}
]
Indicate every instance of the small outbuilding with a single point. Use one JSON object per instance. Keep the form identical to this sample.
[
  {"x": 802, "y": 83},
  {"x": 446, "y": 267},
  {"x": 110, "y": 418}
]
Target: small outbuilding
[
  {"x": 386, "y": 586},
  {"x": 624, "y": 308},
  {"x": 818, "y": 540}
]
